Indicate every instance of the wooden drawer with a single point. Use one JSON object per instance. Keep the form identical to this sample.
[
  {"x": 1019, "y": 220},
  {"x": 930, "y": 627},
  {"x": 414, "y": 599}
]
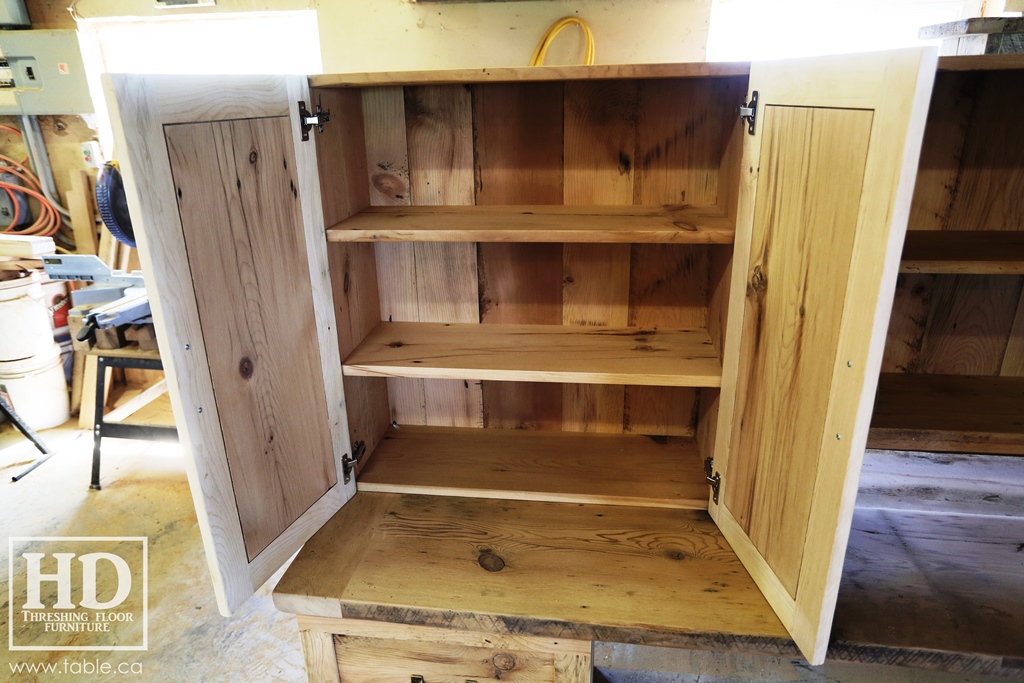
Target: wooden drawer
[
  {"x": 375, "y": 660},
  {"x": 357, "y": 651}
]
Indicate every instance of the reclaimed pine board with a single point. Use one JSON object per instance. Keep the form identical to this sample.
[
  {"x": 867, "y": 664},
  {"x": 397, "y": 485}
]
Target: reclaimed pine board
[
  {"x": 787, "y": 357},
  {"x": 368, "y": 660},
  {"x": 681, "y": 224},
  {"x": 538, "y": 465},
  {"x": 538, "y": 353},
  {"x": 952, "y": 413},
  {"x": 259, "y": 325},
  {"x": 387, "y": 153},
  {"x": 965, "y": 252},
  {"x": 357, "y": 311},
  {"x": 637, "y": 574},
  {"x": 684, "y": 128},
  {"x": 912, "y": 302},
  {"x": 600, "y": 142},
  {"x": 429, "y": 282},
  {"x": 683, "y": 131},
  {"x": 518, "y": 135},
  {"x": 534, "y": 73},
  {"x": 969, "y": 324},
  {"x": 668, "y": 288},
  {"x": 1013, "y": 358}
]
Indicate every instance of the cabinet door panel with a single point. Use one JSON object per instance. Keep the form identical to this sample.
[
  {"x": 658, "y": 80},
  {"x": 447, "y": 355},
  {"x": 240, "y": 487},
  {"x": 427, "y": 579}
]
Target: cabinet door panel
[
  {"x": 227, "y": 211},
  {"x": 826, "y": 185}
]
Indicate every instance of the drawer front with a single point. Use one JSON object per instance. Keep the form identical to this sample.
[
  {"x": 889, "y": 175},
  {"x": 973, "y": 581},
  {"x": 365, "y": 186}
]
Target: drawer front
[{"x": 376, "y": 660}]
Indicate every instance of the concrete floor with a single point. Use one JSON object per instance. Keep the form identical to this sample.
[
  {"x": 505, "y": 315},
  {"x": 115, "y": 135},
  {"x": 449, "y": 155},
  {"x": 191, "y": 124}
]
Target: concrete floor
[{"x": 145, "y": 493}]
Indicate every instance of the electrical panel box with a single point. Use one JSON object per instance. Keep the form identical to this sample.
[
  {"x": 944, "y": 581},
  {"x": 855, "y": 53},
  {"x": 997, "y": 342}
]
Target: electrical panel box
[
  {"x": 41, "y": 72},
  {"x": 13, "y": 14}
]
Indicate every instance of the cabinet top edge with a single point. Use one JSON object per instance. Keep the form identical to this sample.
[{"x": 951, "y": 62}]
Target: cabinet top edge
[
  {"x": 608, "y": 71},
  {"x": 532, "y": 73},
  {"x": 1006, "y": 62}
]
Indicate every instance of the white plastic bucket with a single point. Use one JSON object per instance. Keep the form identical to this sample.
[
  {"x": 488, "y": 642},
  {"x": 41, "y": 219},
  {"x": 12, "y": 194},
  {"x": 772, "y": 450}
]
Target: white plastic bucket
[
  {"x": 25, "y": 321},
  {"x": 58, "y": 305},
  {"x": 36, "y": 388}
]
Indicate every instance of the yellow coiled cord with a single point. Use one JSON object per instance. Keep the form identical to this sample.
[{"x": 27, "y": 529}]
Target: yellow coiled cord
[{"x": 542, "y": 49}]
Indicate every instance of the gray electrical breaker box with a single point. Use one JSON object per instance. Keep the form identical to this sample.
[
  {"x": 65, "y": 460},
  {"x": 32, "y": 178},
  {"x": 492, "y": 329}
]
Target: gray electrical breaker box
[{"x": 41, "y": 72}]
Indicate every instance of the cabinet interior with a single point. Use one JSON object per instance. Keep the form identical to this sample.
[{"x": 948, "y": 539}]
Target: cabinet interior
[
  {"x": 531, "y": 283},
  {"x": 953, "y": 371}
]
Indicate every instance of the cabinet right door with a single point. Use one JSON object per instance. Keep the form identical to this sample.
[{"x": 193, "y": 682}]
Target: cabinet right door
[{"x": 825, "y": 190}]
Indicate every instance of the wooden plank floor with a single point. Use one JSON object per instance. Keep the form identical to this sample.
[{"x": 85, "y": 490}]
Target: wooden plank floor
[
  {"x": 538, "y": 353},
  {"x": 934, "y": 572},
  {"x": 950, "y": 413},
  {"x": 540, "y": 223},
  {"x": 608, "y": 469},
  {"x": 598, "y": 572}
]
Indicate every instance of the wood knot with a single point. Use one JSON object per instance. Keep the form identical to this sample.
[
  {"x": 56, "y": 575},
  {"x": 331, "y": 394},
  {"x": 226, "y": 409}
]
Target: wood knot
[
  {"x": 253, "y": 157},
  {"x": 688, "y": 227},
  {"x": 490, "y": 561},
  {"x": 503, "y": 661},
  {"x": 245, "y": 367},
  {"x": 396, "y": 344},
  {"x": 758, "y": 281}
]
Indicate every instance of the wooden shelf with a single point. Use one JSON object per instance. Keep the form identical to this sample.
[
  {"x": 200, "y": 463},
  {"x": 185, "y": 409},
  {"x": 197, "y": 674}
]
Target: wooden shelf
[
  {"x": 568, "y": 467},
  {"x": 589, "y": 572},
  {"x": 978, "y": 252},
  {"x": 949, "y": 413},
  {"x": 533, "y": 73},
  {"x": 538, "y": 353},
  {"x": 660, "y": 224}
]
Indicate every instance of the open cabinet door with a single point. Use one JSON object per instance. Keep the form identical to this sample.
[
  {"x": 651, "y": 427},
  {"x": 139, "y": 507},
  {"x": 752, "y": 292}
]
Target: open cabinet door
[
  {"x": 226, "y": 205},
  {"x": 826, "y": 184}
]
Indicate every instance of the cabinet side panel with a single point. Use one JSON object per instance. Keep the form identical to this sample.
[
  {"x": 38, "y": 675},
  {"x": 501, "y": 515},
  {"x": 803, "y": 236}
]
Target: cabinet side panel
[
  {"x": 812, "y": 171},
  {"x": 518, "y": 159},
  {"x": 357, "y": 311},
  {"x": 600, "y": 144},
  {"x": 248, "y": 262}
]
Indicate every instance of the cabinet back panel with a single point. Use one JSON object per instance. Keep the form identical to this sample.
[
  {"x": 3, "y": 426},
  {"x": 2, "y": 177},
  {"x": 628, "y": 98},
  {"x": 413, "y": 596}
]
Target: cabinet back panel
[
  {"x": 614, "y": 142},
  {"x": 795, "y": 299},
  {"x": 971, "y": 174},
  {"x": 955, "y": 325},
  {"x": 248, "y": 261}
]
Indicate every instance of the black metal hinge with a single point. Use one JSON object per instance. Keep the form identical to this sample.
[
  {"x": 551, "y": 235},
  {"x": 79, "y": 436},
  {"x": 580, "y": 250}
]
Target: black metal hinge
[
  {"x": 749, "y": 112},
  {"x": 349, "y": 462},
  {"x": 307, "y": 120},
  {"x": 714, "y": 481}
]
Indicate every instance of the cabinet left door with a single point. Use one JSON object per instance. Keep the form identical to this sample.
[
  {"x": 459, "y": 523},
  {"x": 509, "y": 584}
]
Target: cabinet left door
[{"x": 226, "y": 206}]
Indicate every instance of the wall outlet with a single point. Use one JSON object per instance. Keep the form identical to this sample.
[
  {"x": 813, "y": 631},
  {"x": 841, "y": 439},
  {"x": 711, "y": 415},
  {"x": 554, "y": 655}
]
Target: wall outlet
[{"x": 91, "y": 155}]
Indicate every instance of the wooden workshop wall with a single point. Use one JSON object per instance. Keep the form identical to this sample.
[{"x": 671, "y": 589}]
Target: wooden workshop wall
[
  {"x": 971, "y": 177},
  {"x": 603, "y": 142}
]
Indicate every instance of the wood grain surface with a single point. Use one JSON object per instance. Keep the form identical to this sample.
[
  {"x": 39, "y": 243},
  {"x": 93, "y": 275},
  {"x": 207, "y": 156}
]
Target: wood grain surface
[
  {"x": 979, "y": 252},
  {"x": 949, "y": 413},
  {"x": 681, "y": 224},
  {"x": 372, "y": 660},
  {"x": 795, "y": 301},
  {"x": 259, "y": 326},
  {"x": 600, "y": 143},
  {"x": 886, "y": 94},
  {"x": 605, "y": 469},
  {"x": 541, "y": 73},
  {"x": 538, "y": 353},
  {"x": 581, "y": 571}
]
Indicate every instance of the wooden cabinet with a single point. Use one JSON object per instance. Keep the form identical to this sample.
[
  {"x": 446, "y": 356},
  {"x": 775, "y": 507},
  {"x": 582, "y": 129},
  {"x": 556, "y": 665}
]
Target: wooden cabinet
[{"x": 539, "y": 302}]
